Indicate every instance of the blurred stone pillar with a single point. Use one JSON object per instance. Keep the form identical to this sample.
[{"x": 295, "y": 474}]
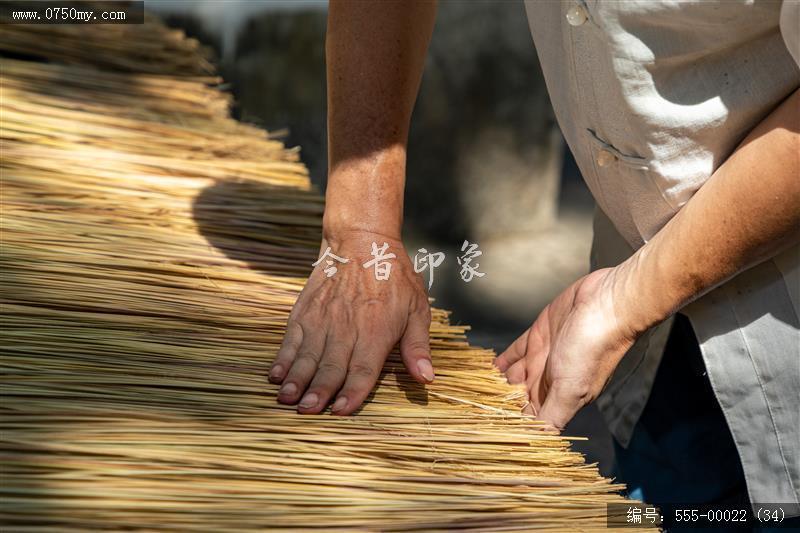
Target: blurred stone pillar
[
  {"x": 485, "y": 153},
  {"x": 508, "y": 188}
]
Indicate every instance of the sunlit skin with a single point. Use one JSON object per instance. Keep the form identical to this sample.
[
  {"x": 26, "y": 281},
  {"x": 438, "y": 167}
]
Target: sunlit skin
[
  {"x": 748, "y": 211},
  {"x": 342, "y": 328}
]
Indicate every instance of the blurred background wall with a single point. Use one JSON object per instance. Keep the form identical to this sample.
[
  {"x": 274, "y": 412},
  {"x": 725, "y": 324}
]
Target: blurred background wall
[{"x": 486, "y": 161}]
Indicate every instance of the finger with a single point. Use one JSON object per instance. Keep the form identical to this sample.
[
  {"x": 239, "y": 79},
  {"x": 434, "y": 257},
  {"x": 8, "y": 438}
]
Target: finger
[
  {"x": 283, "y": 360},
  {"x": 537, "y": 392},
  {"x": 561, "y": 404},
  {"x": 513, "y": 353},
  {"x": 518, "y": 372},
  {"x": 535, "y": 365},
  {"x": 330, "y": 376},
  {"x": 529, "y": 409},
  {"x": 415, "y": 347},
  {"x": 362, "y": 374},
  {"x": 303, "y": 367}
]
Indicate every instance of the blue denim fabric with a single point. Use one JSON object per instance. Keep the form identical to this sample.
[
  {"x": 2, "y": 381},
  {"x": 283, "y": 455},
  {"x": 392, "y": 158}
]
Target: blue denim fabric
[{"x": 681, "y": 450}]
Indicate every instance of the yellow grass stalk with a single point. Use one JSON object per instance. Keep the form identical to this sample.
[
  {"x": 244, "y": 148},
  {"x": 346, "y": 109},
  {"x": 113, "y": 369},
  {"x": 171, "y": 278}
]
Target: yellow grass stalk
[{"x": 152, "y": 249}]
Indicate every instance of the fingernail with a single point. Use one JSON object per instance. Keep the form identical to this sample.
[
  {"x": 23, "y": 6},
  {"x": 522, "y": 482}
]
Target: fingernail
[
  {"x": 309, "y": 400},
  {"x": 288, "y": 390},
  {"x": 426, "y": 369},
  {"x": 276, "y": 372},
  {"x": 339, "y": 404}
]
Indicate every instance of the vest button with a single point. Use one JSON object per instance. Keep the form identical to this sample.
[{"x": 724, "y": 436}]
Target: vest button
[
  {"x": 576, "y": 15},
  {"x": 605, "y": 158}
]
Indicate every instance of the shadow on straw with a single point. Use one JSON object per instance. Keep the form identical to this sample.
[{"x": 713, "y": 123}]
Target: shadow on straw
[
  {"x": 415, "y": 392},
  {"x": 275, "y": 230}
]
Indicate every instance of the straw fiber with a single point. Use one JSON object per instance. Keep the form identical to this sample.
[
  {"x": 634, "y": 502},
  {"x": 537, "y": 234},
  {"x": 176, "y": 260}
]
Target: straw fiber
[{"x": 152, "y": 248}]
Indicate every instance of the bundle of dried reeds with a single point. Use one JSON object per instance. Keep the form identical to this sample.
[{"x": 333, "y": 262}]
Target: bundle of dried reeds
[
  {"x": 151, "y": 251},
  {"x": 149, "y": 48}
]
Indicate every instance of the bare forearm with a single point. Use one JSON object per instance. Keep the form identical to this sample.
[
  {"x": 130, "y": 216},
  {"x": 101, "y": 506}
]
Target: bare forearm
[
  {"x": 342, "y": 329},
  {"x": 748, "y": 211},
  {"x": 375, "y": 55}
]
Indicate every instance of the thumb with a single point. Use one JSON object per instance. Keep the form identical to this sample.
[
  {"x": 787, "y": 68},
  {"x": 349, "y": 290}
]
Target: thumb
[
  {"x": 415, "y": 348},
  {"x": 561, "y": 404}
]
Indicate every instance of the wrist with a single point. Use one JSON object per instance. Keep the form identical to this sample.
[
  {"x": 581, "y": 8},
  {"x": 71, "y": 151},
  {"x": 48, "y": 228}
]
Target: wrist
[
  {"x": 640, "y": 300},
  {"x": 365, "y": 195},
  {"x": 357, "y": 242},
  {"x": 342, "y": 227}
]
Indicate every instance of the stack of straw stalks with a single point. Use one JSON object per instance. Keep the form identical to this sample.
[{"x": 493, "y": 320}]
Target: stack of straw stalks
[{"x": 152, "y": 248}]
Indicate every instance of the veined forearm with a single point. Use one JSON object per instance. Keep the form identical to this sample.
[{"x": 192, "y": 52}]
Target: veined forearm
[
  {"x": 748, "y": 211},
  {"x": 341, "y": 331},
  {"x": 375, "y": 55}
]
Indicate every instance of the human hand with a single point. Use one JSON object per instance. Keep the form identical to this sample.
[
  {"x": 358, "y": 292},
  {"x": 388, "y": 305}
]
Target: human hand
[
  {"x": 568, "y": 355},
  {"x": 343, "y": 327}
]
